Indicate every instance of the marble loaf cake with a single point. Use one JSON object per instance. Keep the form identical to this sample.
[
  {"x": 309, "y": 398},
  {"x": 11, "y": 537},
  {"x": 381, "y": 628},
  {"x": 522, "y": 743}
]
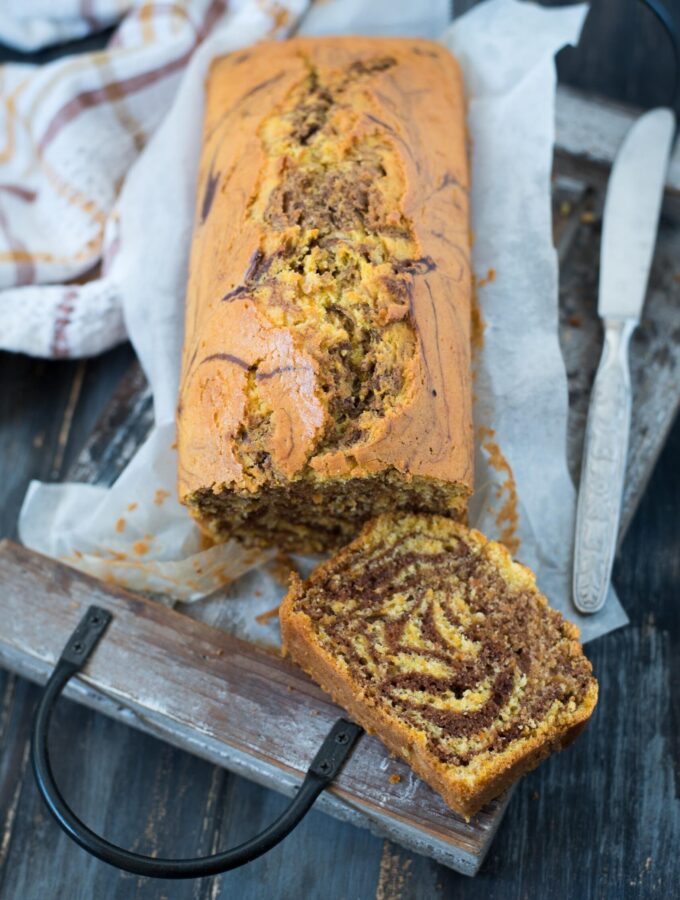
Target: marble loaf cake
[
  {"x": 326, "y": 368},
  {"x": 437, "y": 642}
]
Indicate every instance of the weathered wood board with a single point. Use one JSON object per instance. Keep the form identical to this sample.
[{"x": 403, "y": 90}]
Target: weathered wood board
[
  {"x": 221, "y": 698},
  {"x": 212, "y": 724}
]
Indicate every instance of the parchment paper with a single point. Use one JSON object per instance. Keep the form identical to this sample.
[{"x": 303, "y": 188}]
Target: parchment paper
[{"x": 137, "y": 534}]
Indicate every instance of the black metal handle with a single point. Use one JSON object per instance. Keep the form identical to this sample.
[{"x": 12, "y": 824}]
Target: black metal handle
[{"x": 324, "y": 767}]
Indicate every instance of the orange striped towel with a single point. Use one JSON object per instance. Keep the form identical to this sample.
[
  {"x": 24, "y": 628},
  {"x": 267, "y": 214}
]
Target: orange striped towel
[{"x": 70, "y": 131}]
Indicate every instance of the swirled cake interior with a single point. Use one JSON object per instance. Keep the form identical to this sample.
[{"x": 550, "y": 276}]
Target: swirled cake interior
[
  {"x": 436, "y": 640},
  {"x": 326, "y": 376}
]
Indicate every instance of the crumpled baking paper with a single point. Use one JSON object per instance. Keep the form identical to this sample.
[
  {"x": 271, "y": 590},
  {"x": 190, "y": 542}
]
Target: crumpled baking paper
[{"x": 136, "y": 533}]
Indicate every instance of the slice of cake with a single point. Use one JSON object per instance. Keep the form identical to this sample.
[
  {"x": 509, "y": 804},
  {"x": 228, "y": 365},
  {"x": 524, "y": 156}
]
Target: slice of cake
[{"x": 437, "y": 642}]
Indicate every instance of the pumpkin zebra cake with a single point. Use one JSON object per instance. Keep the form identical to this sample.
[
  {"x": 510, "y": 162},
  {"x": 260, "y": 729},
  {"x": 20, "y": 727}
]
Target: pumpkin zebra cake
[
  {"x": 436, "y": 641},
  {"x": 326, "y": 369}
]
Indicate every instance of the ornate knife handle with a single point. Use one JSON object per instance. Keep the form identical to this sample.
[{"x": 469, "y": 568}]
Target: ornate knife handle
[{"x": 603, "y": 470}]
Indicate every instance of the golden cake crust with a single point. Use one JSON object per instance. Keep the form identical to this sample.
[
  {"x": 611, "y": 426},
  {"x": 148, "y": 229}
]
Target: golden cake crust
[
  {"x": 464, "y": 790},
  {"x": 246, "y": 357}
]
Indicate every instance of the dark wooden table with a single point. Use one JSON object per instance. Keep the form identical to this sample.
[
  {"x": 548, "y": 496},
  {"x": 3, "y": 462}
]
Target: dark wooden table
[{"x": 605, "y": 825}]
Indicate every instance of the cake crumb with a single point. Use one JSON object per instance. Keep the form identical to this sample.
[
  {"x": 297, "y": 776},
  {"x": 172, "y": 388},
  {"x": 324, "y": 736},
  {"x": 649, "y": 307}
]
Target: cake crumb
[
  {"x": 264, "y": 617},
  {"x": 279, "y": 15},
  {"x": 116, "y": 556},
  {"x": 488, "y": 278},
  {"x": 394, "y": 875},
  {"x": 132, "y": 506},
  {"x": 141, "y": 548},
  {"x": 206, "y": 542},
  {"x": 394, "y": 778},
  {"x": 160, "y": 496},
  {"x": 281, "y": 567},
  {"x": 477, "y": 324},
  {"x": 507, "y": 518},
  {"x": 120, "y": 525},
  {"x": 221, "y": 576}
]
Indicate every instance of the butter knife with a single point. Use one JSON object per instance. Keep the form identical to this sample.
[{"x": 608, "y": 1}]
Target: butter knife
[{"x": 629, "y": 228}]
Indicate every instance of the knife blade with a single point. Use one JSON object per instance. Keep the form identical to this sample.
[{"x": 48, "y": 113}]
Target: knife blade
[
  {"x": 630, "y": 224},
  {"x": 631, "y": 215}
]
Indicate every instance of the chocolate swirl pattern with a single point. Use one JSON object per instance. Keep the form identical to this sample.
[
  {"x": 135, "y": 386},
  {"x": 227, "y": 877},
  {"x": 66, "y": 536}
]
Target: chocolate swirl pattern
[
  {"x": 326, "y": 366},
  {"x": 448, "y": 637}
]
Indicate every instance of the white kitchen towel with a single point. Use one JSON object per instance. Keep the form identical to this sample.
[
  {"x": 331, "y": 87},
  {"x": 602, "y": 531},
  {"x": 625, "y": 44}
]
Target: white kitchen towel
[
  {"x": 69, "y": 131},
  {"x": 137, "y": 534}
]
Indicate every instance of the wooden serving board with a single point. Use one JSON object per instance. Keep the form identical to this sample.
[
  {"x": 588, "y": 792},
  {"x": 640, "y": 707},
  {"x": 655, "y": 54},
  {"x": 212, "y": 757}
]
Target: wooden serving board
[
  {"x": 239, "y": 706},
  {"x": 221, "y": 698}
]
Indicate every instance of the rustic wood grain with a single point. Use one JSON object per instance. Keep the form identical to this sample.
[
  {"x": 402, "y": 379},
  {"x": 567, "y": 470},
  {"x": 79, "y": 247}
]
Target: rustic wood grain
[
  {"x": 126, "y": 422},
  {"x": 40, "y": 431},
  {"x": 655, "y": 346}
]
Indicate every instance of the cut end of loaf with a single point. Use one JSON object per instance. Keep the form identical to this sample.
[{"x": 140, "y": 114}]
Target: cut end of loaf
[
  {"x": 304, "y": 517},
  {"x": 441, "y": 645}
]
